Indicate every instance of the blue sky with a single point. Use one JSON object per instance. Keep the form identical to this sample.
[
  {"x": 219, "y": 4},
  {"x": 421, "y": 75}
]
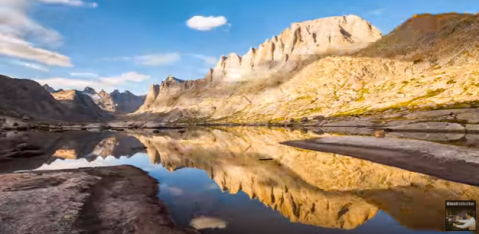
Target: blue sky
[{"x": 130, "y": 44}]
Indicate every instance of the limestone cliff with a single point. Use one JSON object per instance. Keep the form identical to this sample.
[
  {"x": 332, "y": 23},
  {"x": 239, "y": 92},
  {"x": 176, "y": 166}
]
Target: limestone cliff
[
  {"x": 430, "y": 61},
  {"x": 300, "y": 42},
  {"x": 296, "y": 45}
]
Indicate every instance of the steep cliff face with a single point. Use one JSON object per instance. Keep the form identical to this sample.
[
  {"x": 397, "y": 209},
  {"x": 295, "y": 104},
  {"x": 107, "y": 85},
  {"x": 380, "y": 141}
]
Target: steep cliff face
[
  {"x": 295, "y": 46},
  {"x": 82, "y": 103},
  {"x": 126, "y": 102},
  {"x": 163, "y": 95},
  {"x": 300, "y": 42},
  {"x": 429, "y": 61}
]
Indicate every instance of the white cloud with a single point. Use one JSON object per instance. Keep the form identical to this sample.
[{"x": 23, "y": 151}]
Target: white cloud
[
  {"x": 74, "y": 3},
  {"x": 158, "y": 59},
  {"x": 19, "y": 48},
  {"x": 16, "y": 27},
  {"x": 83, "y": 74},
  {"x": 377, "y": 12},
  {"x": 30, "y": 65},
  {"x": 125, "y": 77},
  {"x": 208, "y": 60},
  {"x": 150, "y": 59},
  {"x": 106, "y": 83},
  {"x": 207, "y": 23}
]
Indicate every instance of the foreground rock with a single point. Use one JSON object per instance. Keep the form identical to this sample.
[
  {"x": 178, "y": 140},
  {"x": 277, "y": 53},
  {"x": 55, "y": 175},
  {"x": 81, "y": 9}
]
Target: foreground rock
[
  {"x": 96, "y": 200},
  {"x": 449, "y": 162}
]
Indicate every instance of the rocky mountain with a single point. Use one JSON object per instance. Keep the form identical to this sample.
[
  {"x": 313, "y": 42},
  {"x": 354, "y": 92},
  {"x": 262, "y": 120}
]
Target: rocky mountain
[
  {"x": 89, "y": 90},
  {"x": 299, "y": 43},
  {"x": 430, "y": 61},
  {"x": 48, "y": 88},
  {"x": 102, "y": 99},
  {"x": 26, "y": 98},
  {"x": 80, "y": 102},
  {"x": 116, "y": 101},
  {"x": 126, "y": 102}
]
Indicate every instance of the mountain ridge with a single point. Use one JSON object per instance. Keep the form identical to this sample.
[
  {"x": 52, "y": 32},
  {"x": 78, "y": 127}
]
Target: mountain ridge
[{"x": 362, "y": 81}]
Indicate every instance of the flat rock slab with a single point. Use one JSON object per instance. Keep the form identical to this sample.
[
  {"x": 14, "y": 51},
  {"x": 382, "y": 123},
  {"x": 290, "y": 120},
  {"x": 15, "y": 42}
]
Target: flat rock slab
[
  {"x": 108, "y": 200},
  {"x": 453, "y": 163}
]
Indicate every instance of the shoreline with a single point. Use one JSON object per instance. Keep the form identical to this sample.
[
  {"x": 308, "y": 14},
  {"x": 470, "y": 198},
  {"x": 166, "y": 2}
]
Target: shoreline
[{"x": 104, "y": 200}]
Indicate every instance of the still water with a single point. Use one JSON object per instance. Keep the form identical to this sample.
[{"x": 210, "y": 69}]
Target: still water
[{"x": 218, "y": 173}]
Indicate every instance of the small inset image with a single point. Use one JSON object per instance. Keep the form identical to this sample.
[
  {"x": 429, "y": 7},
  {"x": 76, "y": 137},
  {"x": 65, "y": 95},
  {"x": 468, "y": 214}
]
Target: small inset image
[{"x": 460, "y": 215}]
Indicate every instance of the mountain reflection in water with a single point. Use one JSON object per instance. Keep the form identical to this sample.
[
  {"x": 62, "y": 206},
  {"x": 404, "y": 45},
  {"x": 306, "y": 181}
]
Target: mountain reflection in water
[{"x": 314, "y": 192}]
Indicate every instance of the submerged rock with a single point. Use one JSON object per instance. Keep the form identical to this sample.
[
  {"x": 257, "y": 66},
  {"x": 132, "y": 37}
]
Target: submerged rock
[{"x": 204, "y": 222}]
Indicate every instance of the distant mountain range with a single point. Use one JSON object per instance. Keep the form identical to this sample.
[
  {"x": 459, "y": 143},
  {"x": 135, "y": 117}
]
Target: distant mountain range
[{"x": 114, "y": 102}]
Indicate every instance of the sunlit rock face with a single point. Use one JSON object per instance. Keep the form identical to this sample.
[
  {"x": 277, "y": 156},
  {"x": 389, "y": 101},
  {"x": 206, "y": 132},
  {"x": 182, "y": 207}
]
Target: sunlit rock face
[
  {"x": 429, "y": 61},
  {"x": 325, "y": 36},
  {"x": 315, "y": 188},
  {"x": 297, "y": 44}
]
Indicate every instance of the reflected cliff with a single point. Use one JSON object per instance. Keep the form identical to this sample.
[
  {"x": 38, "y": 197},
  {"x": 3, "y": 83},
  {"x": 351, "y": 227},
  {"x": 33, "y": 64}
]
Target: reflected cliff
[{"x": 319, "y": 189}]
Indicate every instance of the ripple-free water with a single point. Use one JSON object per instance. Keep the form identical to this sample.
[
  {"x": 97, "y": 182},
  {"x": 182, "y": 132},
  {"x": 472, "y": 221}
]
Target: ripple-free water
[{"x": 215, "y": 173}]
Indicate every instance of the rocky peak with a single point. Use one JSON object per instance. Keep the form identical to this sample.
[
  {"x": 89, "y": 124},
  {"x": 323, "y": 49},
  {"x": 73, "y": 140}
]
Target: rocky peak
[
  {"x": 89, "y": 90},
  {"x": 115, "y": 92},
  {"x": 48, "y": 88},
  {"x": 103, "y": 92},
  {"x": 326, "y": 36},
  {"x": 171, "y": 79}
]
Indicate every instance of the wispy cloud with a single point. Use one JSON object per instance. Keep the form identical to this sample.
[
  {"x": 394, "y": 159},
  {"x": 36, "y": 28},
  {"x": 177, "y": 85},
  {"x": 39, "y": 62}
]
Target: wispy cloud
[
  {"x": 30, "y": 65},
  {"x": 74, "y": 3},
  {"x": 206, "y": 23},
  {"x": 208, "y": 60},
  {"x": 150, "y": 59},
  {"x": 377, "y": 12},
  {"x": 83, "y": 74},
  {"x": 123, "y": 78},
  {"x": 16, "y": 27},
  {"x": 106, "y": 83}
]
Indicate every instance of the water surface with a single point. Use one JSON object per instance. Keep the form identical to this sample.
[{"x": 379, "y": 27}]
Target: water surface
[{"x": 218, "y": 173}]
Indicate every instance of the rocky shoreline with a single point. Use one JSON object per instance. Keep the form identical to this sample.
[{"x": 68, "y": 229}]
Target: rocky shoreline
[
  {"x": 109, "y": 200},
  {"x": 444, "y": 120}
]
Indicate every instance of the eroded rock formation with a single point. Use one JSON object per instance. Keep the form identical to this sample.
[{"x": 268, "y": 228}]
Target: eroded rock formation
[{"x": 388, "y": 74}]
